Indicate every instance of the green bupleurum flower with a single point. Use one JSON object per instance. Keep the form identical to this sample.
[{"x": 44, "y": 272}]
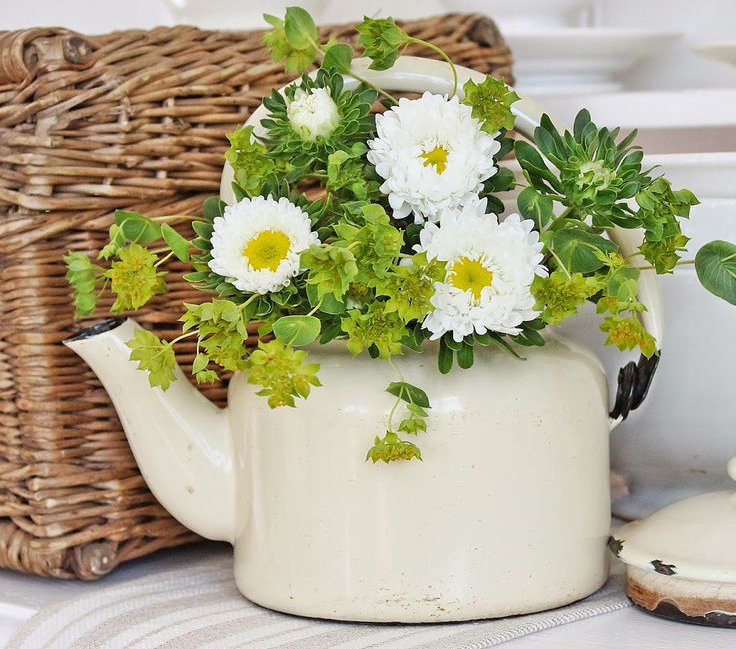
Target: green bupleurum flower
[
  {"x": 410, "y": 288},
  {"x": 134, "y": 278},
  {"x": 559, "y": 295},
  {"x": 375, "y": 328},
  {"x": 490, "y": 102},
  {"x": 331, "y": 269},
  {"x": 628, "y": 333},
  {"x": 249, "y": 159},
  {"x": 222, "y": 333},
  {"x": 381, "y": 39},
  {"x": 390, "y": 448},
  {"x": 282, "y": 372}
]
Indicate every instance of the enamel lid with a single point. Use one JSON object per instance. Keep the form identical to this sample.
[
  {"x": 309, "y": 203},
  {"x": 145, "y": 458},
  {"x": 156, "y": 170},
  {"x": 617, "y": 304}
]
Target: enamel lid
[{"x": 694, "y": 538}]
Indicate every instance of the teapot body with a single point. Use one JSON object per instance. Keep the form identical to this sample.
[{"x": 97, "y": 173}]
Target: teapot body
[{"x": 508, "y": 512}]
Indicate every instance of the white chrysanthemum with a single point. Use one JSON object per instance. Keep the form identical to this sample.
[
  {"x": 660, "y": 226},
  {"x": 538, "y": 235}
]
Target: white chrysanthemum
[
  {"x": 257, "y": 242},
  {"x": 432, "y": 154},
  {"x": 490, "y": 269},
  {"x": 313, "y": 114}
]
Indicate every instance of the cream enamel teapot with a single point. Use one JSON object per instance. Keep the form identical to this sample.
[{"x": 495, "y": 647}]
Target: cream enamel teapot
[{"x": 508, "y": 512}]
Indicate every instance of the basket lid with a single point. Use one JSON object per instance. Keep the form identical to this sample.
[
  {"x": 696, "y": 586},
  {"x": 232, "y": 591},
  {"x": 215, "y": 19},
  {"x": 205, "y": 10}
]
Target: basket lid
[{"x": 692, "y": 539}]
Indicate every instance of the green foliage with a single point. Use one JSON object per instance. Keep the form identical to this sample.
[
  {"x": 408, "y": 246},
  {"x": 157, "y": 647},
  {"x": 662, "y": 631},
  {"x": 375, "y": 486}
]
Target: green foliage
[
  {"x": 134, "y": 278},
  {"x": 375, "y": 243},
  {"x": 560, "y": 295},
  {"x": 490, "y": 102},
  {"x": 628, "y": 333},
  {"x": 84, "y": 277},
  {"x": 410, "y": 288},
  {"x": 252, "y": 166},
  {"x": 297, "y": 330},
  {"x": 222, "y": 332},
  {"x": 136, "y": 227},
  {"x": 660, "y": 207},
  {"x": 381, "y": 40},
  {"x": 154, "y": 356},
  {"x": 374, "y": 328},
  {"x": 282, "y": 372},
  {"x": 292, "y": 40},
  {"x": 178, "y": 244},
  {"x": 580, "y": 251},
  {"x": 715, "y": 265},
  {"x": 535, "y": 206},
  {"x": 409, "y": 393},
  {"x": 331, "y": 269},
  {"x": 338, "y": 56},
  {"x": 597, "y": 173},
  {"x": 390, "y": 448},
  {"x": 348, "y": 175}
]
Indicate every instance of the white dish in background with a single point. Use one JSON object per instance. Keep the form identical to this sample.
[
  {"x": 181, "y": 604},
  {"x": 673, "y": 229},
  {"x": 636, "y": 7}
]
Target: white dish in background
[
  {"x": 566, "y": 60},
  {"x": 516, "y": 14},
  {"x": 720, "y": 51}
]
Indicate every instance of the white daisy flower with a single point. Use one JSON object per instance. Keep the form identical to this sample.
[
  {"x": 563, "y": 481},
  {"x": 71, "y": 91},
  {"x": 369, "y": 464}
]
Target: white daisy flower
[
  {"x": 432, "y": 154},
  {"x": 257, "y": 242},
  {"x": 490, "y": 269},
  {"x": 313, "y": 114}
]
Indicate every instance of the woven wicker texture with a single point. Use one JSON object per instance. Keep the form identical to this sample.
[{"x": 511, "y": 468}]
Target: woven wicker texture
[{"x": 134, "y": 120}]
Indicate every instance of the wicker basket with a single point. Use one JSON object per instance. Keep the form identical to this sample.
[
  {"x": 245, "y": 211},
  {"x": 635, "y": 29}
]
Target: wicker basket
[{"x": 137, "y": 120}]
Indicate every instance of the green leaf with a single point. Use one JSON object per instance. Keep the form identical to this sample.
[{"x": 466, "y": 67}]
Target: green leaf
[
  {"x": 533, "y": 163},
  {"x": 328, "y": 304},
  {"x": 535, "y": 206},
  {"x": 715, "y": 265},
  {"x": 465, "y": 356},
  {"x": 338, "y": 56},
  {"x": 178, "y": 244},
  {"x": 200, "y": 363},
  {"x": 136, "y": 227},
  {"x": 409, "y": 393},
  {"x": 297, "y": 330},
  {"x": 444, "y": 359},
  {"x": 580, "y": 250},
  {"x": 213, "y": 207},
  {"x": 300, "y": 30}
]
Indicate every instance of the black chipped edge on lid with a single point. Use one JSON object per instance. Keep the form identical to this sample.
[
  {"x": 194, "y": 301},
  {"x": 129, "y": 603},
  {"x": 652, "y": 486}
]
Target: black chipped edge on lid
[{"x": 96, "y": 329}]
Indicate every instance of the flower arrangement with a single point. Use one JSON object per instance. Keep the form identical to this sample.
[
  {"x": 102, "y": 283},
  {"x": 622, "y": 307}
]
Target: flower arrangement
[{"x": 373, "y": 221}]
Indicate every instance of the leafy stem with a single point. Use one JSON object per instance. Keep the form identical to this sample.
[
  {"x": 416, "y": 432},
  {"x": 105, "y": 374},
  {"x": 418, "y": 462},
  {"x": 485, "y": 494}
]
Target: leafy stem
[
  {"x": 679, "y": 262},
  {"x": 349, "y": 72}
]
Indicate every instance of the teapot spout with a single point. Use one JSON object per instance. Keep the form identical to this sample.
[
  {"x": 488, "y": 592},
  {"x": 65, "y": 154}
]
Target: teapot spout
[{"x": 180, "y": 440}]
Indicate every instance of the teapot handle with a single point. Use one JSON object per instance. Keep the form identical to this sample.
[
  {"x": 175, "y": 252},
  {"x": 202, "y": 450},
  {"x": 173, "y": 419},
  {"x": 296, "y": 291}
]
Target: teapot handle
[{"x": 415, "y": 74}]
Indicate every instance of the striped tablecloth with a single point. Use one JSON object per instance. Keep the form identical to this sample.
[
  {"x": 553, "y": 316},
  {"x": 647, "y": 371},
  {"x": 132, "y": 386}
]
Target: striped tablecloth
[{"x": 198, "y": 607}]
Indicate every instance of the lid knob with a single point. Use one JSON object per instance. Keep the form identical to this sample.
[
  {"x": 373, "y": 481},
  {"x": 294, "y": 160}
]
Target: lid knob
[{"x": 732, "y": 468}]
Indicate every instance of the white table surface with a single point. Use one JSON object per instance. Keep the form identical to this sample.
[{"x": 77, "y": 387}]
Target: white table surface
[{"x": 22, "y": 595}]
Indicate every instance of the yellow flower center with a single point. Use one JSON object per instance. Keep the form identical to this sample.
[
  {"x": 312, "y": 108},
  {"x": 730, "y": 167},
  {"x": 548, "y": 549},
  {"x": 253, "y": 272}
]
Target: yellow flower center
[
  {"x": 470, "y": 275},
  {"x": 267, "y": 249},
  {"x": 436, "y": 157}
]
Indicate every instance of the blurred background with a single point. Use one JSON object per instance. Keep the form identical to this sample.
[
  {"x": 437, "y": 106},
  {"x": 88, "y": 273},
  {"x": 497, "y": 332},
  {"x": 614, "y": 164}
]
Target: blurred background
[{"x": 665, "y": 66}]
